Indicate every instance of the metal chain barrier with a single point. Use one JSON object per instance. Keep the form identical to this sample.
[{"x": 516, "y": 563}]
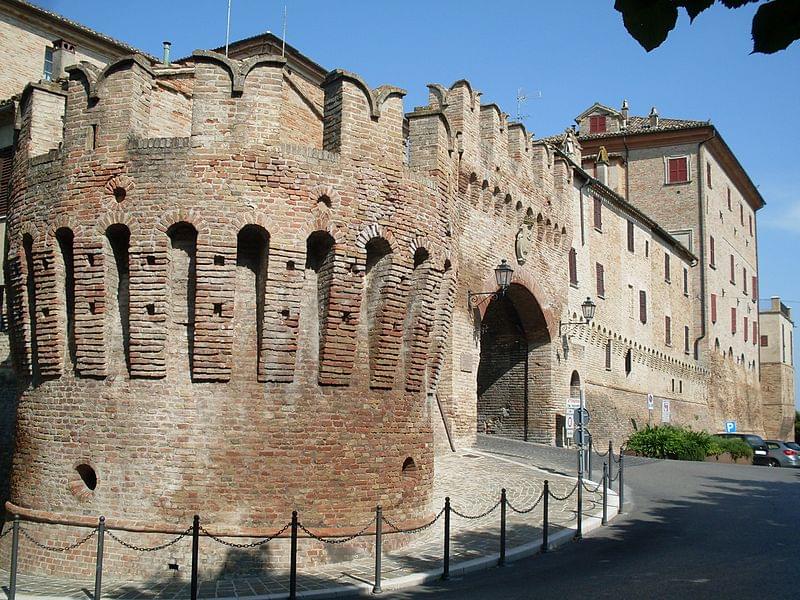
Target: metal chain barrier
[
  {"x": 255, "y": 544},
  {"x": 615, "y": 477},
  {"x": 601, "y": 454},
  {"x": 616, "y": 460},
  {"x": 568, "y": 496},
  {"x": 525, "y": 510},
  {"x": 480, "y": 516},
  {"x": 66, "y": 548},
  {"x": 173, "y": 541},
  {"x": 341, "y": 540},
  {"x": 413, "y": 529},
  {"x": 5, "y": 533},
  {"x": 592, "y": 491}
]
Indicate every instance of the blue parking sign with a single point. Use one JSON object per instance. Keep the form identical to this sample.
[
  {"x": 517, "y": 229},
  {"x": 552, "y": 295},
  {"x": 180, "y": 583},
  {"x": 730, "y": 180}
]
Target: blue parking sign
[{"x": 730, "y": 426}]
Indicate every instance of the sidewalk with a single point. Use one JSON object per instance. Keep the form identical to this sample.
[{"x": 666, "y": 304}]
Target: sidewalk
[{"x": 472, "y": 478}]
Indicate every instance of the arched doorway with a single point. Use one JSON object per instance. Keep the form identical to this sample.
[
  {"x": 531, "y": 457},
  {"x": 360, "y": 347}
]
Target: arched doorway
[{"x": 514, "y": 385}]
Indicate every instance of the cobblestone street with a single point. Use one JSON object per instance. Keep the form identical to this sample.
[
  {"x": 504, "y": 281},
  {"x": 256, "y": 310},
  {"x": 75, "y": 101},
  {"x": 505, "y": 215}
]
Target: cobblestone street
[{"x": 473, "y": 480}]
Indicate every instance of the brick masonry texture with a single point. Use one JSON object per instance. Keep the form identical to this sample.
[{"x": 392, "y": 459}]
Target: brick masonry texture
[{"x": 237, "y": 293}]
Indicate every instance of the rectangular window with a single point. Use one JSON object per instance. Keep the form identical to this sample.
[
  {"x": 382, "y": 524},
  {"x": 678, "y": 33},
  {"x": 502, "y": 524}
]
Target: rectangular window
[
  {"x": 47, "y": 71},
  {"x": 729, "y": 198},
  {"x": 754, "y": 289},
  {"x": 712, "y": 253},
  {"x": 668, "y": 331},
  {"x": 764, "y": 341},
  {"x": 741, "y": 215},
  {"x": 573, "y": 267},
  {"x": 608, "y": 355},
  {"x": 744, "y": 279},
  {"x": 666, "y": 268},
  {"x": 713, "y": 308},
  {"x": 745, "y": 329},
  {"x": 750, "y": 221},
  {"x": 601, "y": 283},
  {"x": 733, "y": 320},
  {"x": 733, "y": 270},
  {"x": 755, "y": 332},
  {"x": 647, "y": 248},
  {"x": 630, "y": 236},
  {"x": 598, "y": 214},
  {"x": 686, "y": 339},
  {"x": 643, "y": 306},
  {"x": 597, "y": 124},
  {"x": 685, "y": 281},
  {"x": 680, "y": 386},
  {"x": 708, "y": 174},
  {"x": 678, "y": 170}
]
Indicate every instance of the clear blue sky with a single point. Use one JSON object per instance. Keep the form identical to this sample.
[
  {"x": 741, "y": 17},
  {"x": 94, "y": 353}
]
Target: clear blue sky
[{"x": 573, "y": 52}]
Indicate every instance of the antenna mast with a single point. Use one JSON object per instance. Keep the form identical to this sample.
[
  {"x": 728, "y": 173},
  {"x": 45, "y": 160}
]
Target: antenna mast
[
  {"x": 228, "y": 29},
  {"x": 283, "y": 45}
]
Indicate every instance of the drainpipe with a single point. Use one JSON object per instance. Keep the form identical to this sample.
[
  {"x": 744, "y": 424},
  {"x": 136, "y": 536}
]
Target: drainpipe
[
  {"x": 701, "y": 244},
  {"x": 580, "y": 194},
  {"x": 165, "y": 59}
]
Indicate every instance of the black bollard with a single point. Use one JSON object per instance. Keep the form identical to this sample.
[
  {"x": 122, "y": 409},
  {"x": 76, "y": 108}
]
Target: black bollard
[
  {"x": 446, "y": 570},
  {"x": 98, "y": 570},
  {"x": 610, "y": 462},
  {"x": 12, "y": 584},
  {"x": 195, "y": 554},
  {"x": 502, "y": 560},
  {"x": 376, "y": 589},
  {"x": 579, "y": 528},
  {"x": 293, "y": 559},
  {"x": 589, "y": 460},
  {"x": 545, "y": 509},
  {"x": 620, "y": 488},
  {"x": 605, "y": 494}
]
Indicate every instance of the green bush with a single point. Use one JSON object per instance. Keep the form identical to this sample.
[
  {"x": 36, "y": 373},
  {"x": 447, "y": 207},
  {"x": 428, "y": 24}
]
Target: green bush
[{"x": 668, "y": 441}]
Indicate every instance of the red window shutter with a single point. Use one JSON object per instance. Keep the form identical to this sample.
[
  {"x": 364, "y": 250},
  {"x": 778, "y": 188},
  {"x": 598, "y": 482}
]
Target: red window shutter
[
  {"x": 745, "y": 329},
  {"x": 573, "y": 266},
  {"x": 686, "y": 338},
  {"x": 750, "y": 221},
  {"x": 713, "y": 308},
  {"x": 597, "y": 124},
  {"x": 600, "y": 276},
  {"x": 755, "y": 332},
  {"x": 673, "y": 170},
  {"x": 598, "y": 213},
  {"x": 733, "y": 270},
  {"x": 755, "y": 288},
  {"x": 712, "y": 252},
  {"x": 667, "y": 331},
  {"x": 6, "y": 161},
  {"x": 643, "y": 306},
  {"x": 733, "y": 320}
]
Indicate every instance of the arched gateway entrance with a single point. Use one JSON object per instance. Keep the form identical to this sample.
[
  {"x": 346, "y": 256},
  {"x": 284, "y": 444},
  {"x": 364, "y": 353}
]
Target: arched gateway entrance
[{"x": 514, "y": 382}]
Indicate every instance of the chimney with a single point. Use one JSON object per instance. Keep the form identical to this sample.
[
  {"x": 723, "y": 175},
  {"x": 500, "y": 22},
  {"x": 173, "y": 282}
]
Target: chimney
[
  {"x": 602, "y": 165},
  {"x": 653, "y": 117},
  {"x": 165, "y": 59},
  {"x": 624, "y": 112},
  {"x": 63, "y": 57}
]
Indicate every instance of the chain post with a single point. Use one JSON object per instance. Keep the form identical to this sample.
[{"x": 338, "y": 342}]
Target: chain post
[
  {"x": 589, "y": 459},
  {"x": 293, "y": 559},
  {"x": 620, "y": 487},
  {"x": 376, "y": 589},
  {"x": 12, "y": 584},
  {"x": 605, "y": 494},
  {"x": 195, "y": 554},
  {"x": 610, "y": 462},
  {"x": 98, "y": 570},
  {"x": 446, "y": 569},
  {"x": 545, "y": 509},
  {"x": 503, "y": 502}
]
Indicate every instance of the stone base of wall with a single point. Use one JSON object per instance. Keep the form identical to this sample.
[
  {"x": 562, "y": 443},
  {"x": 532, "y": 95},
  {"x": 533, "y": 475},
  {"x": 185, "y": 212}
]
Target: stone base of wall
[{"x": 777, "y": 389}]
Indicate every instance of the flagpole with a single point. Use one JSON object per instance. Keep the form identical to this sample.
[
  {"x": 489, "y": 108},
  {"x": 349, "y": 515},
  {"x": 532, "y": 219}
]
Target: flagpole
[{"x": 228, "y": 28}]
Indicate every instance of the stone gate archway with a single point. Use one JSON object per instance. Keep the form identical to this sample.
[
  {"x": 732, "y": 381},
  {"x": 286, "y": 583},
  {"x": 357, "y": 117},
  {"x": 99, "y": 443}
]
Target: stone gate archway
[{"x": 514, "y": 374}]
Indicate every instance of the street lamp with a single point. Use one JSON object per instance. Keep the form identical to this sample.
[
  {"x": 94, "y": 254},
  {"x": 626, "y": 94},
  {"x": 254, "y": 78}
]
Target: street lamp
[
  {"x": 502, "y": 274},
  {"x": 587, "y": 309}
]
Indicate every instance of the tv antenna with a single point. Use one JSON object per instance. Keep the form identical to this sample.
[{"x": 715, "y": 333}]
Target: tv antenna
[{"x": 522, "y": 98}]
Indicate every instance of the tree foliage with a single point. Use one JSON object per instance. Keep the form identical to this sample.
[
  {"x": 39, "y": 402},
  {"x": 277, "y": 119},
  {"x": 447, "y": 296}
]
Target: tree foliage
[{"x": 776, "y": 23}]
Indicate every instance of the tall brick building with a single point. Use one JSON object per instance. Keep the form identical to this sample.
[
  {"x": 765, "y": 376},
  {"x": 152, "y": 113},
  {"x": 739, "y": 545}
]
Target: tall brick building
[{"x": 242, "y": 283}]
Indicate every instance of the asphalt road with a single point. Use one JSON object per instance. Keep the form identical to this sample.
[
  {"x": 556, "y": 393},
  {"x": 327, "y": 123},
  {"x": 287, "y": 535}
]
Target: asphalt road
[{"x": 690, "y": 530}]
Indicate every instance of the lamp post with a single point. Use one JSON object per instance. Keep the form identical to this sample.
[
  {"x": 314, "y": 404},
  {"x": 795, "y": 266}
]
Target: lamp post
[
  {"x": 587, "y": 309},
  {"x": 502, "y": 275}
]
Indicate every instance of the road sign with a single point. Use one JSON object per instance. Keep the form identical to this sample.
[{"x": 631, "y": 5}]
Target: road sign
[
  {"x": 650, "y": 402},
  {"x": 730, "y": 426},
  {"x": 665, "y": 412},
  {"x": 582, "y": 436},
  {"x": 581, "y": 416},
  {"x": 572, "y": 404}
]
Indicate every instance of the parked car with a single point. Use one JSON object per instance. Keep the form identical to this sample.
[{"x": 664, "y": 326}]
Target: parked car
[
  {"x": 783, "y": 454},
  {"x": 757, "y": 443}
]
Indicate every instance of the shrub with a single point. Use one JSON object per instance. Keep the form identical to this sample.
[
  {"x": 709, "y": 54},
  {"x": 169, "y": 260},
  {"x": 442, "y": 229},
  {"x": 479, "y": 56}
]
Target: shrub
[{"x": 668, "y": 441}]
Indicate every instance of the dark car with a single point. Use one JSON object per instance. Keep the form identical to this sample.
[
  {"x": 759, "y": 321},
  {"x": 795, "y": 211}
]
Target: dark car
[{"x": 757, "y": 443}]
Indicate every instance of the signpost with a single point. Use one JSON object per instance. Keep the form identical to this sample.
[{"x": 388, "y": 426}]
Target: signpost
[
  {"x": 572, "y": 404},
  {"x": 730, "y": 426},
  {"x": 665, "y": 413},
  {"x": 650, "y": 402}
]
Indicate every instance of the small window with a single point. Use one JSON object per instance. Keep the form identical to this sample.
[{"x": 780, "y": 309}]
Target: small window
[
  {"x": 685, "y": 281},
  {"x": 598, "y": 214},
  {"x": 745, "y": 329},
  {"x": 750, "y": 221},
  {"x": 630, "y": 236},
  {"x": 678, "y": 170},
  {"x": 87, "y": 475},
  {"x": 733, "y": 320},
  {"x": 744, "y": 278},
  {"x": 680, "y": 386},
  {"x": 643, "y": 306},
  {"x": 673, "y": 384},
  {"x": 597, "y": 124},
  {"x": 601, "y": 283},
  {"x": 628, "y": 362},
  {"x": 755, "y": 333},
  {"x": 47, "y": 71},
  {"x": 712, "y": 254},
  {"x": 733, "y": 270},
  {"x": 729, "y": 198},
  {"x": 708, "y": 175},
  {"x": 667, "y": 277},
  {"x": 754, "y": 287},
  {"x": 741, "y": 214},
  {"x": 686, "y": 339},
  {"x": 573, "y": 267},
  {"x": 646, "y": 248},
  {"x": 668, "y": 331},
  {"x": 713, "y": 308},
  {"x": 608, "y": 355}
]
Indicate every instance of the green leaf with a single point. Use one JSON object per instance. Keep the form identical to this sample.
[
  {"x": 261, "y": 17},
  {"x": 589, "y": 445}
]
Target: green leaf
[
  {"x": 648, "y": 21},
  {"x": 695, "y": 7},
  {"x": 776, "y": 24}
]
